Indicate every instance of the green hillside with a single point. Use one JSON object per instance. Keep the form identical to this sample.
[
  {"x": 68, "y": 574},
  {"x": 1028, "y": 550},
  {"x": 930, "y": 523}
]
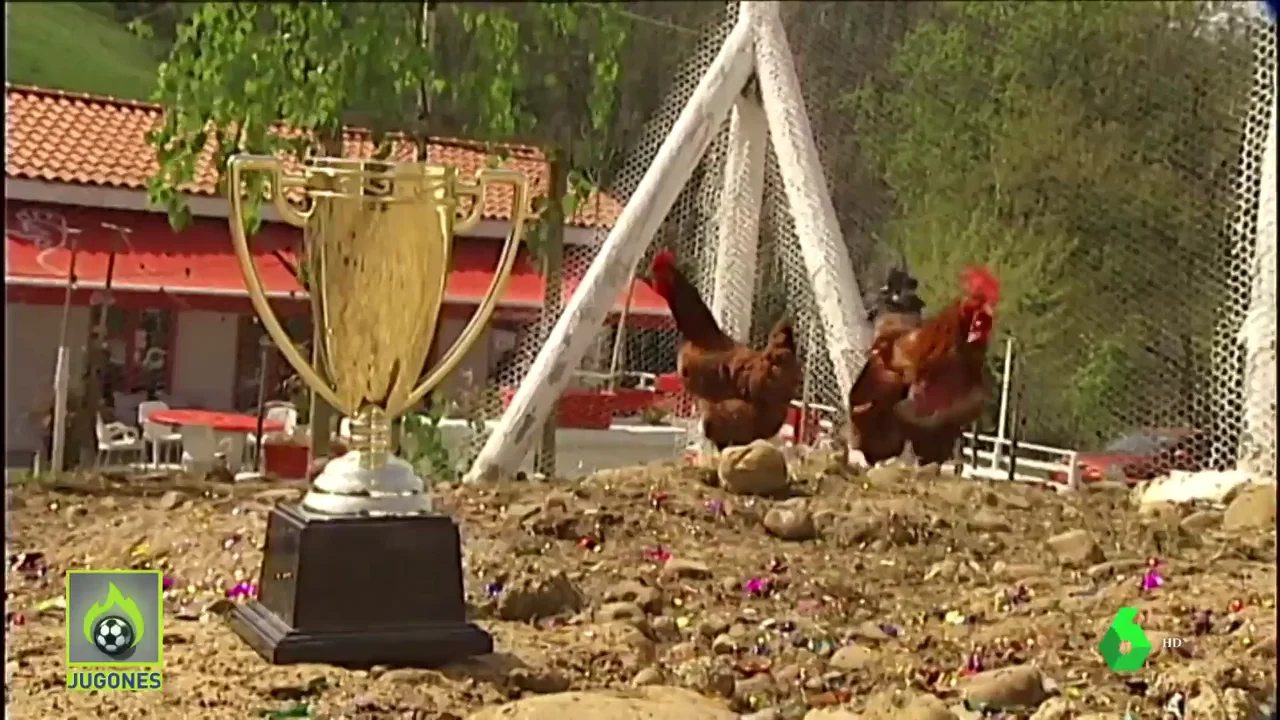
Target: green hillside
[{"x": 77, "y": 47}]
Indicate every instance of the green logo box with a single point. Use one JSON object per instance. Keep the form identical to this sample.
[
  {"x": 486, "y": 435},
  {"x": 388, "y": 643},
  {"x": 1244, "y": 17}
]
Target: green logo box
[
  {"x": 1125, "y": 648},
  {"x": 114, "y": 619}
]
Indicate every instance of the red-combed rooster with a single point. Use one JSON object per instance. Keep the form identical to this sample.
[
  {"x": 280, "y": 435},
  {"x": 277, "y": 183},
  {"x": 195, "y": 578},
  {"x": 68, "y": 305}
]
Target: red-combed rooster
[
  {"x": 926, "y": 384},
  {"x": 744, "y": 394}
]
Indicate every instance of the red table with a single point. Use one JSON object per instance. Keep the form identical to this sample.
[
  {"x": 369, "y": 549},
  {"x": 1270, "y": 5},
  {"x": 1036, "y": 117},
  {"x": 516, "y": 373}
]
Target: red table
[
  {"x": 220, "y": 421},
  {"x": 231, "y": 426}
]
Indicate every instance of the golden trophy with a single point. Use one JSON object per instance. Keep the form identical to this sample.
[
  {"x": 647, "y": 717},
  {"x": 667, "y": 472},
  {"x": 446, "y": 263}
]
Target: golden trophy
[{"x": 362, "y": 572}]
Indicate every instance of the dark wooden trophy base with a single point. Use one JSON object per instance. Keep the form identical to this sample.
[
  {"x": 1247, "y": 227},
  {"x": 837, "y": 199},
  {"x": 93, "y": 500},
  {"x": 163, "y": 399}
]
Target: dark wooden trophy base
[{"x": 360, "y": 591}]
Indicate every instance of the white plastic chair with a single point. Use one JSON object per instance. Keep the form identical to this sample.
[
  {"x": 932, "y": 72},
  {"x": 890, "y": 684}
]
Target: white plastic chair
[
  {"x": 116, "y": 437},
  {"x": 200, "y": 448},
  {"x": 155, "y": 434}
]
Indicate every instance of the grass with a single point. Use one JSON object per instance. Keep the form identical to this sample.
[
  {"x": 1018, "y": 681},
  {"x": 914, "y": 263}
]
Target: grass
[{"x": 77, "y": 47}]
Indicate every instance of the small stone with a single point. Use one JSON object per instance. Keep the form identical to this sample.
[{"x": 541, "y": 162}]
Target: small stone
[
  {"x": 1076, "y": 548},
  {"x": 720, "y": 681},
  {"x": 522, "y": 511},
  {"x": 169, "y": 500},
  {"x": 886, "y": 474},
  {"x": 538, "y": 681},
  {"x": 790, "y": 522},
  {"x": 647, "y": 676},
  {"x": 1055, "y": 708},
  {"x": 664, "y": 629},
  {"x": 534, "y": 599},
  {"x": 620, "y": 611},
  {"x": 1198, "y": 522},
  {"x": 1015, "y": 571},
  {"x": 925, "y": 707},
  {"x": 760, "y": 685},
  {"x": 868, "y": 631},
  {"x": 686, "y": 569},
  {"x": 367, "y": 702},
  {"x": 1020, "y": 686},
  {"x": 713, "y": 626},
  {"x": 724, "y": 644},
  {"x": 851, "y": 658},
  {"x": 74, "y": 512},
  {"x": 829, "y": 714},
  {"x": 755, "y": 469},
  {"x": 1112, "y": 568},
  {"x": 1253, "y": 508},
  {"x": 649, "y": 599},
  {"x": 988, "y": 521}
]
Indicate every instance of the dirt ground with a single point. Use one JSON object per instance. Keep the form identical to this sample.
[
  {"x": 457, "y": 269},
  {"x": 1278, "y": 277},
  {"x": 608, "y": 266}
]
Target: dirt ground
[{"x": 900, "y": 583}]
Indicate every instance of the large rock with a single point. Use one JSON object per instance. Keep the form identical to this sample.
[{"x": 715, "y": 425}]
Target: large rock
[
  {"x": 1254, "y": 507},
  {"x": 755, "y": 469},
  {"x": 531, "y": 599},
  {"x": 645, "y": 703},
  {"x": 1019, "y": 686},
  {"x": 790, "y": 521},
  {"x": 1076, "y": 548}
]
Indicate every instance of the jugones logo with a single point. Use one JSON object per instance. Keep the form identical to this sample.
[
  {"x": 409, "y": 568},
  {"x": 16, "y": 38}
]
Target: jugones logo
[{"x": 114, "y": 629}]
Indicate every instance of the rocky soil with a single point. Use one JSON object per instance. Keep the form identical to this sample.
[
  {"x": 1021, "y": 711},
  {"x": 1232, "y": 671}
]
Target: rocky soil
[{"x": 669, "y": 592}]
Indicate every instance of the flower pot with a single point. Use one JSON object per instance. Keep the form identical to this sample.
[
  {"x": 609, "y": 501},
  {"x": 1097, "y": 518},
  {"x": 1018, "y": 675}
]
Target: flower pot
[{"x": 285, "y": 460}]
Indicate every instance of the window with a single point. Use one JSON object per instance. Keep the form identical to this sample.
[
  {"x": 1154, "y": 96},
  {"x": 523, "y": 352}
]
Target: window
[
  {"x": 139, "y": 344},
  {"x": 249, "y": 335}
]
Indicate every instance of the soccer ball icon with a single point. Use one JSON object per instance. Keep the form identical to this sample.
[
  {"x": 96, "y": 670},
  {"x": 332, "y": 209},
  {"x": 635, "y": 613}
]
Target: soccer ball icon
[{"x": 113, "y": 635}]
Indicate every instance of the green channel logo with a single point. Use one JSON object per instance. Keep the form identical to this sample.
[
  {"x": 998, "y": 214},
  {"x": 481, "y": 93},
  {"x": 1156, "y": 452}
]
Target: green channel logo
[{"x": 1125, "y": 647}]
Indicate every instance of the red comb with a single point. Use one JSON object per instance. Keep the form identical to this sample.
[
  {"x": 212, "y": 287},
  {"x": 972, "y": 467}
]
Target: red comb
[
  {"x": 664, "y": 261},
  {"x": 979, "y": 283}
]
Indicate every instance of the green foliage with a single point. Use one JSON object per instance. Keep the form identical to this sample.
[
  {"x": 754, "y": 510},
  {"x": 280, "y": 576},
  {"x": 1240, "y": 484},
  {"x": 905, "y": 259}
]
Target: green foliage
[
  {"x": 545, "y": 74},
  {"x": 1077, "y": 148},
  {"x": 422, "y": 445},
  {"x": 237, "y": 72},
  {"x": 496, "y": 72}
]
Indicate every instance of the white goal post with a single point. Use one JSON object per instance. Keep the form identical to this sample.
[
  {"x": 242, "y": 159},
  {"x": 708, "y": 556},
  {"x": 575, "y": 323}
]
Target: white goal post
[{"x": 757, "y": 44}]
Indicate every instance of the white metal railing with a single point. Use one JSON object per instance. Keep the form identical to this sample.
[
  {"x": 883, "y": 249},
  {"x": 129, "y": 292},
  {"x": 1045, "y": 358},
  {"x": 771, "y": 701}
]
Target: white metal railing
[{"x": 1031, "y": 462}]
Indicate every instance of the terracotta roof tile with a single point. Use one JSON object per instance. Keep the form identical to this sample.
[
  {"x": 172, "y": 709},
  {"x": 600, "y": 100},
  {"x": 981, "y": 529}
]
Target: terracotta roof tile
[{"x": 84, "y": 139}]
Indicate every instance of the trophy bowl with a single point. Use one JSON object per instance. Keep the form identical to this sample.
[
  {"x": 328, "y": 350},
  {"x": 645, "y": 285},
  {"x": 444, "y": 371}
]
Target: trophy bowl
[{"x": 362, "y": 572}]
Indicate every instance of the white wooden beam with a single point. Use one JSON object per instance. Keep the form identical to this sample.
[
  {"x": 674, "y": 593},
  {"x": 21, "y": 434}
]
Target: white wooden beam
[
  {"x": 585, "y": 312},
  {"x": 738, "y": 237},
  {"x": 830, "y": 269}
]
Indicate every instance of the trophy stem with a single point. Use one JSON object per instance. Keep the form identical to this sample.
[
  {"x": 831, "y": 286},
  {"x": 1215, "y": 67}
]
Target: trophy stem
[
  {"x": 371, "y": 437},
  {"x": 369, "y": 479}
]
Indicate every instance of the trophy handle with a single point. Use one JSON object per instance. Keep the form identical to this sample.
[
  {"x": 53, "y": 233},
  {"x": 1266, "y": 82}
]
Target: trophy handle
[
  {"x": 506, "y": 262},
  {"x": 237, "y": 166}
]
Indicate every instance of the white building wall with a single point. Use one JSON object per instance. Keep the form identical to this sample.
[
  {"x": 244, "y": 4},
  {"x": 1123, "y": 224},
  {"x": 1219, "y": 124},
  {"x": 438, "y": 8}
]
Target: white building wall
[
  {"x": 31, "y": 350},
  {"x": 476, "y": 360},
  {"x": 204, "y": 360}
]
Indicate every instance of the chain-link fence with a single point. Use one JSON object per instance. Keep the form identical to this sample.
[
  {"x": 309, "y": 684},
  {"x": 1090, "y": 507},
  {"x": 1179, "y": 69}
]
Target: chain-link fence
[{"x": 1105, "y": 159}]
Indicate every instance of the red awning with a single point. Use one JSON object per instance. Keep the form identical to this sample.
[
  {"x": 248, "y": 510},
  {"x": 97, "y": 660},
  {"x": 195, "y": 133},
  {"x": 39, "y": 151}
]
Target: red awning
[
  {"x": 475, "y": 259},
  {"x": 200, "y": 260},
  {"x": 152, "y": 257}
]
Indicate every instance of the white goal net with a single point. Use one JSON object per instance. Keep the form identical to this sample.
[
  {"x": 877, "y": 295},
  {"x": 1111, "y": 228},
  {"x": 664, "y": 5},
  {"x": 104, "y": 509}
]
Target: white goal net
[{"x": 1113, "y": 163}]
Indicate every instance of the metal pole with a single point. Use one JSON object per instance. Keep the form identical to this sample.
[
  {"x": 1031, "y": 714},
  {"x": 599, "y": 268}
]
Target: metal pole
[
  {"x": 94, "y": 355},
  {"x": 1002, "y": 433},
  {"x": 620, "y": 337},
  {"x": 264, "y": 360},
  {"x": 61, "y": 369},
  {"x": 1016, "y": 422},
  {"x": 803, "y": 420}
]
